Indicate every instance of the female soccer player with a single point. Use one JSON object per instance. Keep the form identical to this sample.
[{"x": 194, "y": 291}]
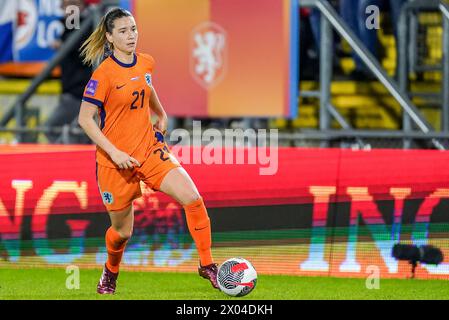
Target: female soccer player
[{"x": 129, "y": 148}]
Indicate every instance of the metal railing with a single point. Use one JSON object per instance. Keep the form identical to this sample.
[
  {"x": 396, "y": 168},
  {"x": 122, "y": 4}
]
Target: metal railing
[
  {"x": 408, "y": 61},
  {"x": 331, "y": 19},
  {"x": 444, "y": 7}
]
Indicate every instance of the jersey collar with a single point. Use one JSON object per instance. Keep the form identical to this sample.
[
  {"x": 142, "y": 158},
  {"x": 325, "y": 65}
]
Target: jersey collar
[{"x": 125, "y": 65}]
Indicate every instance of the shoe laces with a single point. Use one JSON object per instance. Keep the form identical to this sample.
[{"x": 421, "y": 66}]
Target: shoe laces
[{"x": 108, "y": 280}]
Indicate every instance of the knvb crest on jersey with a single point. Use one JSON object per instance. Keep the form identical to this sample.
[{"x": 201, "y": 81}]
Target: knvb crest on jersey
[
  {"x": 107, "y": 197},
  {"x": 208, "y": 54},
  {"x": 148, "y": 79}
]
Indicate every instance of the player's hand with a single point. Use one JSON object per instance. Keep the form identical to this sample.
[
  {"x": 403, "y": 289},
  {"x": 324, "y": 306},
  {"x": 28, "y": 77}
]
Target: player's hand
[
  {"x": 124, "y": 160},
  {"x": 161, "y": 124}
]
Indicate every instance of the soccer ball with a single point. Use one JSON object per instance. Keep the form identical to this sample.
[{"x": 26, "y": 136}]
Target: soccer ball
[{"x": 237, "y": 277}]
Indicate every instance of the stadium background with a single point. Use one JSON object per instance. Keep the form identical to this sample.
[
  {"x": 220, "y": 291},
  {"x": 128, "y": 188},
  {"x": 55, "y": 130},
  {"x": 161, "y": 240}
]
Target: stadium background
[{"x": 327, "y": 211}]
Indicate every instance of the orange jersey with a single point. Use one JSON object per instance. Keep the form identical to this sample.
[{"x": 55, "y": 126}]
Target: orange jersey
[{"x": 122, "y": 94}]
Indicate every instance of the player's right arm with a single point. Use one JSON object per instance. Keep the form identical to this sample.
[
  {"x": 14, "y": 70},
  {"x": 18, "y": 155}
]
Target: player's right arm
[
  {"x": 94, "y": 97},
  {"x": 87, "y": 122}
]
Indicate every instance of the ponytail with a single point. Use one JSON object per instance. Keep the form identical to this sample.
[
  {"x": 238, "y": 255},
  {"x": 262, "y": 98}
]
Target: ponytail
[
  {"x": 93, "y": 49},
  {"x": 97, "y": 46}
]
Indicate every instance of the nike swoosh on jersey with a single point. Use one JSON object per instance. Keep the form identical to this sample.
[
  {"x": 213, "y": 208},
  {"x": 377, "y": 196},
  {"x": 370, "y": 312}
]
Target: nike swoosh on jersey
[
  {"x": 119, "y": 87},
  {"x": 196, "y": 229}
]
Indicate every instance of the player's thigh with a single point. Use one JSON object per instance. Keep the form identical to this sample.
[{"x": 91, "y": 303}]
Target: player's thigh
[
  {"x": 118, "y": 188},
  {"x": 163, "y": 172},
  {"x": 178, "y": 184}
]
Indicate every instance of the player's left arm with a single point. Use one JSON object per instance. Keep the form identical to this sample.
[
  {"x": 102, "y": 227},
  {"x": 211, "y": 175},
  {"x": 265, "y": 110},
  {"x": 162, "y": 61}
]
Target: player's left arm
[{"x": 156, "y": 107}]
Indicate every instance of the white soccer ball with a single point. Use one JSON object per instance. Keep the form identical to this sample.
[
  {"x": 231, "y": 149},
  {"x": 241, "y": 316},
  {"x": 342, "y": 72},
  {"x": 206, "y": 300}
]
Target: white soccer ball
[{"x": 237, "y": 277}]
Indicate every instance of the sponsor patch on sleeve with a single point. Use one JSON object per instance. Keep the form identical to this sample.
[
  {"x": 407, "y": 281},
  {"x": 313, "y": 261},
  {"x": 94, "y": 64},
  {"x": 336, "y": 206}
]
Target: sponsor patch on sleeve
[{"x": 92, "y": 87}]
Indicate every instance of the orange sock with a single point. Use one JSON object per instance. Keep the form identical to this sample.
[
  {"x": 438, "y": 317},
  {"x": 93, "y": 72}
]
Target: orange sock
[
  {"x": 199, "y": 227},
  {"x": 115, "y": 246}
]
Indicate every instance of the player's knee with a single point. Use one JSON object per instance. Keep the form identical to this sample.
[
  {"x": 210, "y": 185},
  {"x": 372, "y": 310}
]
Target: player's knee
[
  {"x": 190, "y": 197},
  {"x": 125, "y": 234}
]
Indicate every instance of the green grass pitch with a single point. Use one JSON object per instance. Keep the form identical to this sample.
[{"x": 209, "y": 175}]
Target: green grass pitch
[{"x": 50, "y": 284}]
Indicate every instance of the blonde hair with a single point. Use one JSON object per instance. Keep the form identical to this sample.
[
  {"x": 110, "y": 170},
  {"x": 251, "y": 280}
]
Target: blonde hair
[{"x": 96, "y": 47}]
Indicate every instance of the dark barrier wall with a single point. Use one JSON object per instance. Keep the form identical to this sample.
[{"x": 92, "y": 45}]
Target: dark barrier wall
[{"x": 322, "y": 212}]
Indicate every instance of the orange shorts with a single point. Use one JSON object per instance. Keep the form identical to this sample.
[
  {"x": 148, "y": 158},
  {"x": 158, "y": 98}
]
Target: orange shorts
[{"x": 119, "y": 188}]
